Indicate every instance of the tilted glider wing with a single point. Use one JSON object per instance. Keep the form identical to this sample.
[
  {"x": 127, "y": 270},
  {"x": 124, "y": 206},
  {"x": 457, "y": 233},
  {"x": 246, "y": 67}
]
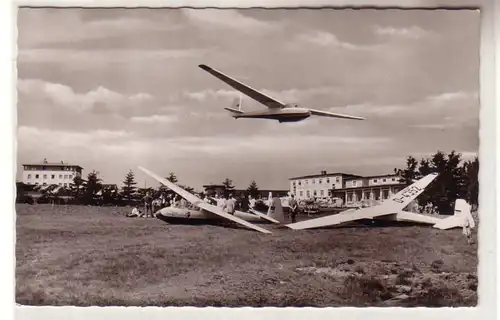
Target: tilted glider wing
[
  {"x": 243, "y": 88},
  {"x": 200, "y": 203},
  {"x": 393, "y": 205},
  {"x": 334, "y": 115}
]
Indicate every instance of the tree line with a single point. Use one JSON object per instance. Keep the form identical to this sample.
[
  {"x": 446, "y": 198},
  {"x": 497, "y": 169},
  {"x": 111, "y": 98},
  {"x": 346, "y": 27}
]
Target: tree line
[
  {"x": 457, "y": 179},
  {"x": 92, "y": 191}
]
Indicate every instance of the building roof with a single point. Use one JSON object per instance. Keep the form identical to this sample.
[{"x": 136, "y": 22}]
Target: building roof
[
  {"x": 50, "y": 164},
  {"x": 377, "y": 176},
  {"x": 326, "y": 175}
]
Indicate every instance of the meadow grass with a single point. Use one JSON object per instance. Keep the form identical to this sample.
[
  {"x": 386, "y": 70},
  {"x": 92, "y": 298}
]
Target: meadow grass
[{"x": 81, "y": 255}]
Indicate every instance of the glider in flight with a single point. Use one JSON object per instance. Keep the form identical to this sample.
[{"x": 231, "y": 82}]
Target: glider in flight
[{"x": 282, "y": 112}]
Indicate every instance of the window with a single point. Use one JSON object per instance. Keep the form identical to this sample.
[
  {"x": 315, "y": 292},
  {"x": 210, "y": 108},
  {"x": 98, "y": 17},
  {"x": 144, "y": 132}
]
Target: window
[
  {"x": 65, "y": 176},
  {"x": 36, "y": 183},
  {"x": 301, "y": 193},
  {"x": 337, "y": 179},
  {"x": 315, "y": 193},
  {"x": 45, "y": 183},
  {"x": 374, "y": 180},
  {"x": 322, "y": 193},
  {"x": 300, "y": 183},
  {"x": 383, "y": 180},
  {"x": 65, "y": 184},
  {"x": 29, "y": 176},
  {"x": 53, "y": 176},
  {"x": 37, "y": 176},
  {"x": 327, "y": 180},
  {"x": 293, "y": 183},
  {"x": 60, "y": 184},
  {"x": 60, "y": 176},
  {"x": 45, "y": 176},
  {"x": 313, "y": 181},
  {"x": 308, "y": 193},
  {"x": 320, "y": 181},
  {"x": 305, "y": 181},
  {"x": 393, "y": 179},
  {"x": 354, "y": 183}
]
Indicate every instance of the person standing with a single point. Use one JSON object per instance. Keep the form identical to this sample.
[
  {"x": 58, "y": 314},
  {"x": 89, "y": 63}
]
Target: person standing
[
  {"x": 467, "y": 230},
  {"x": 293, "y": 208},
  {"x": 230, "y": 205},
  {"x": 148, "y": 204}
]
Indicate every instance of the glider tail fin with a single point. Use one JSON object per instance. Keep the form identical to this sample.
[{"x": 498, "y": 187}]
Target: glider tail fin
[
  {"x": 276, "y": 210},
  {"x": 235, "y": 108}
]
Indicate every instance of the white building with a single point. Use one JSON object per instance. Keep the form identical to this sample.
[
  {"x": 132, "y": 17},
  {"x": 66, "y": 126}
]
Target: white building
[
  {"x": 318, "y": 186},
  {"x": 352, "y": 189},
  {"x": 368, "y": 190},
  {"x": 46, "y": 173}
]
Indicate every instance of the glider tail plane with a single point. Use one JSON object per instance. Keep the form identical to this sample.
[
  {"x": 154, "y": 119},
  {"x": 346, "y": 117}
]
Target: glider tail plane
[
  {"x": 462, "y": 213},
  {"x": 235, "y": 108}
]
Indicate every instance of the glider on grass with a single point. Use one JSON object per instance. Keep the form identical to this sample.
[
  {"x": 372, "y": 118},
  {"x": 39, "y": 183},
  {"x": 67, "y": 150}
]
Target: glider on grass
[
  {"x": 392, "y": 209},
  {"x": 204, "y": 211}
]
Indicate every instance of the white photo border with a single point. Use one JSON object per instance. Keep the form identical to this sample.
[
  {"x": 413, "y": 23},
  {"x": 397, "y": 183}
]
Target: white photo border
[{"x": 488, "y": 261}]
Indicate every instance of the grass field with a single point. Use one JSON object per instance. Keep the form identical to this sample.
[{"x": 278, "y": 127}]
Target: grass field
[{"x": 83, "y": 256}]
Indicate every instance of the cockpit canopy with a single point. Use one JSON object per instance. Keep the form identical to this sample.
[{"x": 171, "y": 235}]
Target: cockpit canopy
[{"x": 292, "y": 105}]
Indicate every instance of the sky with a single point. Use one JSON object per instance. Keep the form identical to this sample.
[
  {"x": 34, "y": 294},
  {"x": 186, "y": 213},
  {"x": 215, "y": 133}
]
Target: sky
[{"x": 113, "y": 89}]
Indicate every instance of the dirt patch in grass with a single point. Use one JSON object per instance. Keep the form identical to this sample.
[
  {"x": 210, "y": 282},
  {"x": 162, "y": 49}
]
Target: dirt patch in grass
[{"x": 83, "y": 256}]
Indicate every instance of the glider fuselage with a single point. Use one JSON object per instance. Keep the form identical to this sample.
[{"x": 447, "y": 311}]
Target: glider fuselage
[
  {"x": 175, "y": 214},
  {"x": 282, "y": 115}
]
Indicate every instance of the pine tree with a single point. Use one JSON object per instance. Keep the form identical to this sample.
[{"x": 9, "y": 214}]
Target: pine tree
[
  {"x": 253, "y": 189},
  {"x": 129, "y": 185},
  {"x": 93, "y": 186}
]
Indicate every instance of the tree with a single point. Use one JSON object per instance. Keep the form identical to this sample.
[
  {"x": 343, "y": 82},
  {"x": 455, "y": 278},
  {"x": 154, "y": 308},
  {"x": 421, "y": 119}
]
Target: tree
[
  {"x": 471, "y": 180},
  {"x": 452, "y": 182},
  {"x": 172, "y": 177},
  {"x": 253, "y": 189},
  {"x": 228, "y": 187},
  {"x": 77, "y": 185},
  {"x": 93, "y": 186},
  {"x": 408, "y": 174},
  {"x": 129, "y": 185}
]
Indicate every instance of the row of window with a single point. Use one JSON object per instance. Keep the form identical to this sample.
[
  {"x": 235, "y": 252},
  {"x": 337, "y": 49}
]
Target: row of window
[
  {"x": 322, "y": 193},
  {"x": 337, "y": 180},
  {"x": 320, "y": 181},
  {"x": 60, "y": 184},
  {"x": 52, "y": 176}
]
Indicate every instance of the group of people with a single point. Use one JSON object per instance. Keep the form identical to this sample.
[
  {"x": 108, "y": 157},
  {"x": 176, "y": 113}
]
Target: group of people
[{"x": 229, "y": 204}]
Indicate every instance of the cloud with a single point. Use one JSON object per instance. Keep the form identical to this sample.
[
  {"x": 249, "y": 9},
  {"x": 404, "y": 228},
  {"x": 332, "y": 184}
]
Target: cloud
[
  {"x": 45, "y": 27},
  {"x": 413, "y": 32},
  {"x": 99, "y": 99},
  {"x": 155, "y": 119},
  {"x": 228, "y": 20},
  {"x": 83, "y": 58},
  {"x": 327, "y": 40},
  {"x": 285, "y": 96}
]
